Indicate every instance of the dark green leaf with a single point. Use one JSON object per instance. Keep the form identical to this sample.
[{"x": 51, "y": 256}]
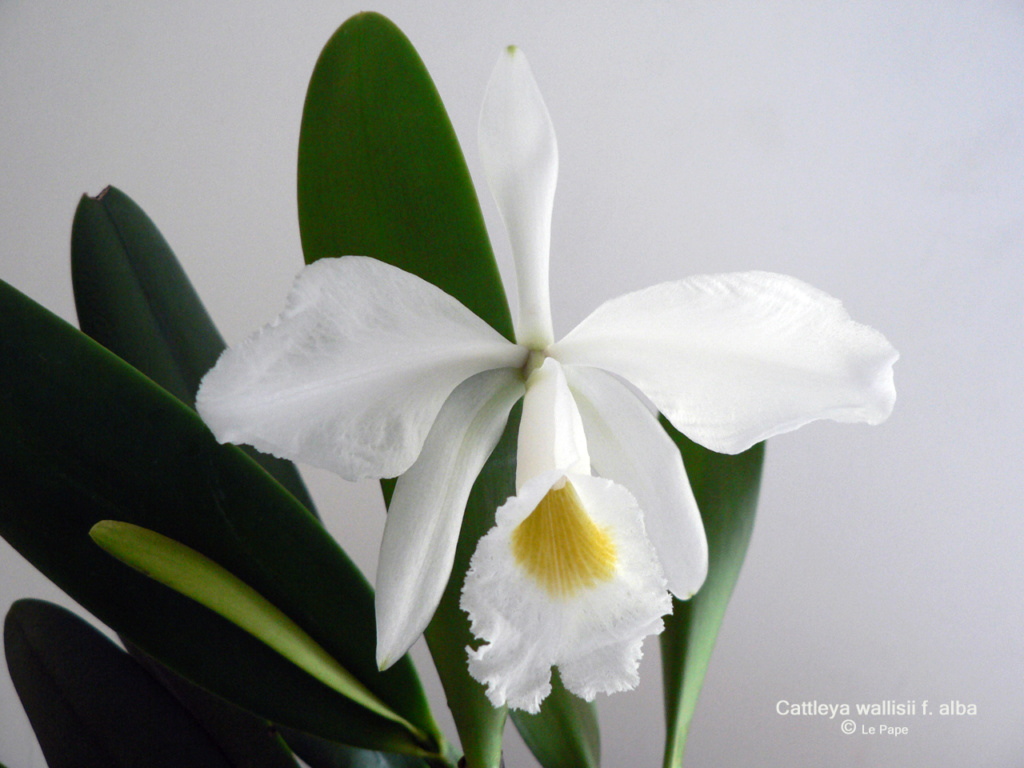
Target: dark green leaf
[
  {"x": 564, "y": 734},
  {"x": 90, "y": 703},
  {"x": 84, "y": 437},
  {"x": 247, "y": 741},
  {"x": 318, "y": 753},
  {"x": 726, "y": 489},
  {"x": 381, "y": 173},
  {"x": 480, "y": 724},
  {"x": 133, "y": 297}
]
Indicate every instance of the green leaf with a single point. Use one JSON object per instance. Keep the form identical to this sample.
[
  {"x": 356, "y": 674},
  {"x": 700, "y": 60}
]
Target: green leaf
[
  {"x": 564, "y": 734},
  {"x": 318, "y": 753},
  {"x": 726, "y": 489},
  {"x": 381, "y": 173},
  {"x": 247, "y": 741},
  {"x": 480, "y": 724},
  {"x": 134, "y": 298},
  {"x": 186, "y": 571},
  {"x": 84, "y": 437},
  {"x": 90, "y": 703}
]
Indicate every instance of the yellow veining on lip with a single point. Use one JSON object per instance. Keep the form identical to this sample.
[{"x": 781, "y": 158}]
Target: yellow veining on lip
[{"x": 561, "y": 547}]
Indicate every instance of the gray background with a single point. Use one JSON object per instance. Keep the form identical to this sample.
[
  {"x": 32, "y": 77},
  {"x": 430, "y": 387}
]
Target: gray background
[{"x": 875, "y": 150}]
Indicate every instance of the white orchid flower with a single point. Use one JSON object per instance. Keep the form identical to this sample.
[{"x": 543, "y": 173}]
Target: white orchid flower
[{"x": 373, "y": 372}]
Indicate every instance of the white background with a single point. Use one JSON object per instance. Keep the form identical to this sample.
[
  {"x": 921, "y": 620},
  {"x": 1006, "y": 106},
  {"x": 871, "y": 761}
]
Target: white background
[{"x": 875, "y": 150}]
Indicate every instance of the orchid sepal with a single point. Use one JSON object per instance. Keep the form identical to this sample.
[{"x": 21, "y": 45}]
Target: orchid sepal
[{"x": 520, "y": 158}]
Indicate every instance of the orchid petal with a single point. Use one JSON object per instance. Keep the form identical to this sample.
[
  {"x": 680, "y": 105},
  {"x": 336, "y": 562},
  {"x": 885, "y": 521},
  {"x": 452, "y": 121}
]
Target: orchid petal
[
  {"x": 551, "y": 433},
  {"x": 629, "y": 446},
  {"x": 593, "y": 634},
  {"x": 353, "y": 373},
  {"x": 520, "y": 160},
  {"x": 734, "y": 359},
  {"x": 426, "y": 510}
]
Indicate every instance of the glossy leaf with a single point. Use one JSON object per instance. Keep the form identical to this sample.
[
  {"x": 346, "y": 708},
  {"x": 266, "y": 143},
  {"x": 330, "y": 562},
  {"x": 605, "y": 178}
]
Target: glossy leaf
[
  {"x": 133, "y": 297},
  {"x": 381, "y": 173},
  {"x": 186, "y": 571},
  {"x": 726, "y": 489},
  {"x": 480, "y": 724},
  {"x": 90, "y": 703},
  {"x": 564, "y": 734},
  {"x": 84, "y": 437}
]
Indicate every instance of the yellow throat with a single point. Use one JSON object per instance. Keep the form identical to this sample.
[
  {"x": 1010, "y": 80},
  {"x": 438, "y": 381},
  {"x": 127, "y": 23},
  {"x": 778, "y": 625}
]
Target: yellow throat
[{"x": 561, "y": 547}]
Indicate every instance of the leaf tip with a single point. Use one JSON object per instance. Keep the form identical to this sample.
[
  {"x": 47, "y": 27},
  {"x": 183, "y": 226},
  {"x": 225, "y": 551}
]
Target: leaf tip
[
  {"x": 103, "y": 531},
  {"x": 118, "y": 539}
]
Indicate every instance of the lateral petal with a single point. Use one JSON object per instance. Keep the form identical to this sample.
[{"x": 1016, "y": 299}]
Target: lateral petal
[
  {"x": 734, "y": 359},
  {"x": 427, "y": 507},
  {"x": 629, "y": 446},
  {"x": 351, "y": 376},
  {"x": 520, "y": 160},
  {"x": 526, "y": 629}
]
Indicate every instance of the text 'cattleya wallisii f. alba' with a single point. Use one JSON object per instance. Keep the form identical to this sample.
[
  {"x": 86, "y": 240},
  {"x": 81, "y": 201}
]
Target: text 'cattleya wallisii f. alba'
[{"x": 373, "y": 372}]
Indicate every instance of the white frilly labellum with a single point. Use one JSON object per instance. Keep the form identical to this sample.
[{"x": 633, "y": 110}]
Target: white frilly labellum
[{"x": 594, "y": 635}]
